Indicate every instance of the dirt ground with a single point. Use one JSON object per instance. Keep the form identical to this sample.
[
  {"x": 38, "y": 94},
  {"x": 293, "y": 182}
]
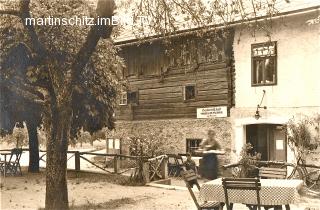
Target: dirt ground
[
  {"x": 90, "y": 192},
  {"x": 96, "y": 191}
]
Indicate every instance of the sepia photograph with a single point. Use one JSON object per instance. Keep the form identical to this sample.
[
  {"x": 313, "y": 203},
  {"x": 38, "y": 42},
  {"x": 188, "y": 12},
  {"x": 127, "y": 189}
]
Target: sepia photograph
[{"x": 159, "y": 104}]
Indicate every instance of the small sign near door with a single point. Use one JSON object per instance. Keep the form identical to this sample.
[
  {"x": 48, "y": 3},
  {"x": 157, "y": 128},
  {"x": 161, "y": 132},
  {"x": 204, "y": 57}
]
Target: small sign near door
[
  {"x": 279, "y": 144},
  {"x": 212, "y": 112}
]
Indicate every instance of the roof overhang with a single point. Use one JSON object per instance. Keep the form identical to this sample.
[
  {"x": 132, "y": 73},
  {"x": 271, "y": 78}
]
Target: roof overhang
[{"x": 138, "y": 41}]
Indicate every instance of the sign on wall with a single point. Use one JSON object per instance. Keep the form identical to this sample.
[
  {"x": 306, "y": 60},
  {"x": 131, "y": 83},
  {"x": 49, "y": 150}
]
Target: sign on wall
[
  {"x": 279, "y": 144},
  {"x": 212, "y": 112}
]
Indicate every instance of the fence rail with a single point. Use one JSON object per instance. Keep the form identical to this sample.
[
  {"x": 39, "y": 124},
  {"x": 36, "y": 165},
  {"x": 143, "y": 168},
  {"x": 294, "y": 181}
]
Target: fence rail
[{"x": 114, "y": 163}]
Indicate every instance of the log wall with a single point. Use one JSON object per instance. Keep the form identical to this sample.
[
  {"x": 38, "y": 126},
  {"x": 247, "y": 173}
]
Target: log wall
[{"x": 159, "y": 80}]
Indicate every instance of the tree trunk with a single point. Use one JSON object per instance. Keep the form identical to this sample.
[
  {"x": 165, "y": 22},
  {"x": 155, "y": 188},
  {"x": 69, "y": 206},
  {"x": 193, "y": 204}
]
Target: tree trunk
[
  {"x": 56, "y": 169},
  {"x": 33, "y": 147}
]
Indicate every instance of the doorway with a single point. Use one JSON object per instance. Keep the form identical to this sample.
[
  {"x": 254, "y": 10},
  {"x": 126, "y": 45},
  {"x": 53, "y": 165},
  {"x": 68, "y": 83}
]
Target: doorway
[{"x": 269, "y": 140}]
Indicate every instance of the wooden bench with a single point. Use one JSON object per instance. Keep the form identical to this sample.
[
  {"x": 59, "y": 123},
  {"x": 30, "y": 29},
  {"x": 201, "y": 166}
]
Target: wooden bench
[{"x": 272, "y": 173}]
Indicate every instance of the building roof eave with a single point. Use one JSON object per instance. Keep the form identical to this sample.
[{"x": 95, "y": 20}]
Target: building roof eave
[{"x": 137, "y": 41}]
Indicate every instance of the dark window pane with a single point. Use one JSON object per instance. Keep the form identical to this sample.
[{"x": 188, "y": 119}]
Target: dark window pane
[
  {"x": 190, "y": 92},
  {"x": 257, "y": 72},
  {"x": 269, "y": 70},
  {"x": 133, "y": 97}
]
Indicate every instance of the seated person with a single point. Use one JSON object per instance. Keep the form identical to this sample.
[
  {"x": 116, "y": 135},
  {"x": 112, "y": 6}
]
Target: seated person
[{"x": 189, "y": 164}]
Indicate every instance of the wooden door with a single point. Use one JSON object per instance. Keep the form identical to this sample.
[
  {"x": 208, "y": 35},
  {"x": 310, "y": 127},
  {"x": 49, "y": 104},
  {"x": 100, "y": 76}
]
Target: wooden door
[
  {"x": 269, "y": 140},
  {"x": 278, "y": 145}
]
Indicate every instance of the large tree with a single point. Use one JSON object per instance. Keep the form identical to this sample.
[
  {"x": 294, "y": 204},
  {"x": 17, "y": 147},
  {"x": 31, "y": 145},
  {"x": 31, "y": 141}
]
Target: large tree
[{"x": 68, "y": 68}]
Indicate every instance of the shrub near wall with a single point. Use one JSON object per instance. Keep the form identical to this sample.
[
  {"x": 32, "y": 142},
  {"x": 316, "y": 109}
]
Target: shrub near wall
[
  {"x": 172, "y": 134},
  {"x": 304, "y": 137}
]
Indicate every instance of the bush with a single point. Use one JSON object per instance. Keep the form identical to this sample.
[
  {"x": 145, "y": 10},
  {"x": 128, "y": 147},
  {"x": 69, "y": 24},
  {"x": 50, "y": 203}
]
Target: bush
[
  {"x": 248, "y": 161},
  {"x": 303, "y": 135}
]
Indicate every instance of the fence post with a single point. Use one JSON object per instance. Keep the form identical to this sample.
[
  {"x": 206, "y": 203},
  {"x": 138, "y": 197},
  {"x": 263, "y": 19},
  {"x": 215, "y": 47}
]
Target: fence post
[
  {"x": 164, "y": 168},
  {"x": 146, "y": 172},
  {"x": 77, "y": 160},
  {"x": 116, "y": 164}
]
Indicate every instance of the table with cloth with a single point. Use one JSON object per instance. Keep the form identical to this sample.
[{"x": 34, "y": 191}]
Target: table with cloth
[{"x": 273, "y": 192}]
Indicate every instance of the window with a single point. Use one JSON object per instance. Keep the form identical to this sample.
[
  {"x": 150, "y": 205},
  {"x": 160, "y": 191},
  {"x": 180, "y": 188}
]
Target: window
[
  {"x": 193, "y": 144},
  {"x": 124, "y": 98},
  {"x": 189, "y": 92},
  {"x": 129, "y": 98},
  {"x": 264, "y": 64},
  {"x": 133, "y": 97}
]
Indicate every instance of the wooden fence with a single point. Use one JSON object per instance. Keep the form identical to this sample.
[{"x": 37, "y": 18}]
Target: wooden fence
[{"x": 154, "y": 168}]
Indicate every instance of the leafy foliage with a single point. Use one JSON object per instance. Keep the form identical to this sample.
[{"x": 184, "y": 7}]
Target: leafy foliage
[
  {"x": 97, "y": 85},
  {"x": 18, "y": 138},
  {"x": 97, "y": 89},
  {"x": 144, "y": 142},
  {"x": 303, "y": 135},
  {"x": 73, "y": 83},
  {"x": 248, "y": 161},
  {"x": 167, "y": 17}
]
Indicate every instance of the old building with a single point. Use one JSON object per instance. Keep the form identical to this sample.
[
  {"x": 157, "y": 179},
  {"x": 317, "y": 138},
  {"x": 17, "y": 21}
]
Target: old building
[
  {"x": 213, "y": 85},
  {"x": 171, "y": 87},
  {"x": 278, "y": 70}
]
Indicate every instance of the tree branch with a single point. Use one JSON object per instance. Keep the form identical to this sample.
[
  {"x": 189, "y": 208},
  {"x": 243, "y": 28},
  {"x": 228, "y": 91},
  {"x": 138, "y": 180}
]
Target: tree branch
[
  {"x": 104, "y": 9},
  {"x": 24, "y": 13},
  {"x": 29, "y": 93},
  {"x": 36, "y": 44},
  {"x": 19, "y": 83},
  {"x": 10, "y": 12}
]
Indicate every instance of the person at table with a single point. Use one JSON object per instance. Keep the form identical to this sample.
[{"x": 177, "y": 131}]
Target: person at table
[{"x": 189, "y": 164}]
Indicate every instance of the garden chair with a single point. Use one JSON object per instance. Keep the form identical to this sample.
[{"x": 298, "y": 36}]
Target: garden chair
[
  {"x": 242, "y": 184},
  {"x": 12, "y": 167},
  {"x": 190, "y": 178},
  {"x": 272, "y": 173},
  {"x": 175, "y": 165}
]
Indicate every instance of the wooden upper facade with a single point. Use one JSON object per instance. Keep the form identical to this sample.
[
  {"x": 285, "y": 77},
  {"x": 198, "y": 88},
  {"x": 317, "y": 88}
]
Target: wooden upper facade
[{"x": 167, "y": 81}]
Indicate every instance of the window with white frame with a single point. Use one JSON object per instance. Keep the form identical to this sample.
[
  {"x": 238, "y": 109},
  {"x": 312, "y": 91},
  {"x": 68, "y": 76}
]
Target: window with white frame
[
  {"x": 192, "y": 145},
  {"x": 189, "y": 92},
  {"x": 124, "y": 98},
  {"x": 130, "y": 97},
  {"x": 264, "y": 64}
]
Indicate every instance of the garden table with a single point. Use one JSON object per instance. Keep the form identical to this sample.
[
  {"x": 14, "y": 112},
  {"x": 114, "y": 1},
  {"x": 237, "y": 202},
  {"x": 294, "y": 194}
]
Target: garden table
[{"x": 273, "y": 192}]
